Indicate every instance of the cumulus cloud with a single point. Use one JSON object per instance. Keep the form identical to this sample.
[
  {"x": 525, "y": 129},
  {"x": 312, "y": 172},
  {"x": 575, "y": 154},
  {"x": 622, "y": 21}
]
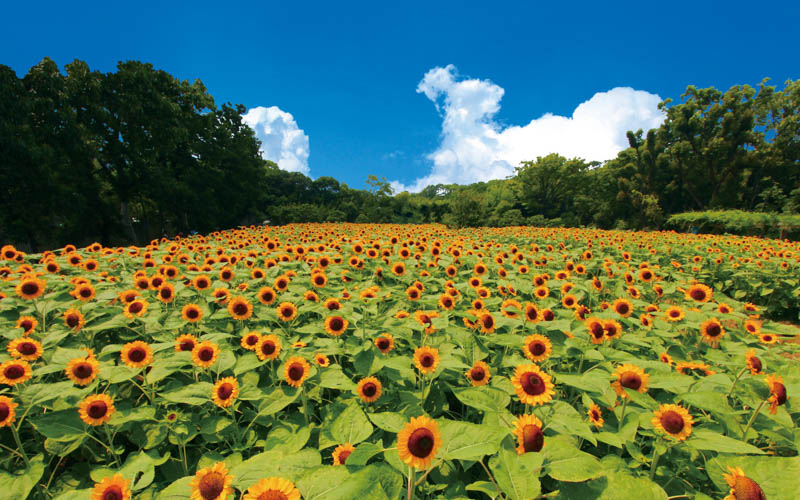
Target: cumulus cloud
[
  {"x": 282, "y": 141},
  {"x": 474, "y": 147}
]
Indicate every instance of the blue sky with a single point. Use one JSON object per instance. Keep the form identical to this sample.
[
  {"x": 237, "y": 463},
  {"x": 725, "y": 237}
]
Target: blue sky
[{"x": 352, "y": 75}]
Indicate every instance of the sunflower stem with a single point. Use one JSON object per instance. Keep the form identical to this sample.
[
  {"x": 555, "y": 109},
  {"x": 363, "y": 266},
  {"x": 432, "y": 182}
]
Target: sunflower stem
[
  {"x": 111, "y": 446},
  {"x": 19, "y": 446},
  {"x": 752, "y": 419},
  {"x": 491, "y": 478},
  {"x": 410, "y": 495},
  {"x": 183, "y": 459},
  {"x": 305, "y": 404},
  {"x": 736, "y": 380},
  {"x": 654, "y": 463},
  {"x": 420, "y": 480}
]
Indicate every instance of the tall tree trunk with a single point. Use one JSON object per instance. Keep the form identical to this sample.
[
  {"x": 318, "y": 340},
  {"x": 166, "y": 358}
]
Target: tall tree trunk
[{"x": 124, "y": 213}]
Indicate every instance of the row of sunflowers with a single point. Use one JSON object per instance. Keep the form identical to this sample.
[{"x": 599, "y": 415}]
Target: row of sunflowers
[{"x": 337, "y": 361}]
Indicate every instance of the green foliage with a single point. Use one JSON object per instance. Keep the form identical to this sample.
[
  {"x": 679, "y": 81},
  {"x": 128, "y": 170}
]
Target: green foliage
[{"x": 738, "y": 222}]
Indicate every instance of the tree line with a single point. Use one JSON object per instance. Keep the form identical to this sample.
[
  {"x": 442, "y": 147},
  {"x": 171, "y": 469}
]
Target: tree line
[{"x": 134, "y": 154}]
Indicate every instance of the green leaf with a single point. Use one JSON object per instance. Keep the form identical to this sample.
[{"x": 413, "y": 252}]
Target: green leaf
[
  {"x": 566, "y": 420},
  {"x": 489, "y": 399},
  {"x": 363, "y": 453},
  {"x": 64, "y": 425},
  {"x": 466, "y": 441},
  {"x": 704, "y": 439},
  {"x": 565, "y": 462},
  {"x": 274, "y": 463},
  {"x": 777, "y": 476},
  {"x": 137, "y": 414},
  {"x": 388, "y": 421},
  {"x": 351, "y": 426},
  {"x": 708, "y": 400},
  {"x": 517, "y": 475},
  {"x": 286, "y": 439},
  {"x": 193, "y": 394},
  {"x": 620, "y": 486},
  {"x": 374, "y": 482},
  {"x": 19, "y": 486},
  {"x": 277, "y": 400},
  {"x": 332, "y": 377},
  {"x": 177, "y": 490}
]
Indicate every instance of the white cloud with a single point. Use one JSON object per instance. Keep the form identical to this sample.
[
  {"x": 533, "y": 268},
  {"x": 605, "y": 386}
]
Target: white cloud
[
  {"x": 282, "y": 141},
  {"x": 474, "y": 147}
]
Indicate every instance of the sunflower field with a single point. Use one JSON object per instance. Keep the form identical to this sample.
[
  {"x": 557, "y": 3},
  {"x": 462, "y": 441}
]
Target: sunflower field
[{"x": 343, "y": 361}]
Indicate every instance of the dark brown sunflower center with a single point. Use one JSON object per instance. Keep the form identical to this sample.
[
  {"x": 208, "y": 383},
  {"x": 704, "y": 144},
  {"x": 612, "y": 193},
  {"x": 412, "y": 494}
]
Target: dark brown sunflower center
[
  {"x": 30, "y": 288},
  {"x": 674, "y": 313},
  {"x": 713, "y": 330},
  {"x": 85, "y": 293},
  {"x": 532, "y": 384},
  {"x": 488, "y": 321},
  {"x": 82, "y": 370},
  {"x": 137, "y": 354},
  {"x": 206, "y": 354},
  {"x": 631, "y": 380},
  {"x": 267, "y": 296},
  {"x": 5, "y": 411},
  {"x": 420, "y": 443},
  {"x": 532, "y": 314},
  {"x": 672, "y": 422},
  {"x": 281, "y": 284},
  {"x": 369, "y": 389},
  {"x": 383, "y": 344},
  {"x": 568, "y": 301},
  {"x": 211, "y": 485},
  {"x": 192, "y": 313},
  {"x": 187, "y": 345},
  {"x": 595, "y": 415},
  {"x": 319, "y": 280},
  {"x": 477, "y": 374},
  {"x": 296, "y": 372},
  {"x": 268, "y": 348},
  {"x": 251, "y": 340},
  {"x": 426, "y": 360},
  {"x": 26, "y": 325},
  {"x": 611, "y": 329},
  {"x": 698, "y": 294},
  {"x": 779, "y": 390},
  {"x": 240, "y": 309},
  {"x": 537, "y": 348},
  {"x": 225, "y": 390},
  {"x": 597, "y": 330},
  {"x": 97, "y": 409},
  {"x": 202, "y": 283},
  {"x": 135, "y": 307},
  {"x": 745, "y": 488},
  {"x": 343, "y": 456},
  {"x": 623, "y": 308},
  {"x": 532, "y": 438},
  {"x": 226, "y": 275},
  {"x": 337, "y": 324},
  {"x": 113, "y": 492},
  {"x": 286, "y": 312},
  {"x": 72, "y": 321},
  {"x": 548, "y": 315},
  {"x": 26, "y": 348},
  {"x": 14, "y": 372}
]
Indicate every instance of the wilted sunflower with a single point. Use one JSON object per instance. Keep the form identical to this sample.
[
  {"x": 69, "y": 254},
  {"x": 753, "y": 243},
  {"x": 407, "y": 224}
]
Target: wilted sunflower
[
  {"x": 185, "y": 343},
  {"x": 136, "y": 354},
  {"x": 631, "y": 377},
  {"x": 25, "y": 348},
  {"x": 712, "y": 332},
  {"x": 418, "y": 442},
  {"x": 479, "y": 374},
  {"x": 777, "y": 392},
  {"x": 384, "y": 342},
  {"x": 74, "y": 320},
  {"x": 674, "y": 314},
  {"x": 295, "y": 371},
  {"x": 205, "y": 354},
  {"x": 27, "y": 323},
  {"x": 15, "y": 371},
  {"x": 225, "y": 392},
  {"x": 426, "y": 359},
  {"x": 673, "y": 420},
  {"x": 699, "y": 293},
  {"x": 335, "y": 325},
  {"x": 82, "y": 371},
  {"x": 250, "y": 340},
  {"x": 240, "y": 308},
  {"x": 537, "y": 347},
  {"x": 742, "y": 487},
  {"x": 596, "y": 416},
  {"x": 340, "y": 455},
  {"x": 369, "y": 389},
  {"x": 30, "y": 287},
  {"x": 273, "y": 488},
  {"x": 212, "y": 483},
  {"x": 111, "y": 488},
  {"x": 96, "y": 409},
  {"x": 7, "y": 413},
  {"x": 528, "y": 430},
  {"x": 533, "y": 386},
  {"x": 192, "y": 313},
  {"x": 268, "y": 347}
]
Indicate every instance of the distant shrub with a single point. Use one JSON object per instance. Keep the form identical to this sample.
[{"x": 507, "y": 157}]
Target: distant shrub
[{"x": 738, "y": 222}]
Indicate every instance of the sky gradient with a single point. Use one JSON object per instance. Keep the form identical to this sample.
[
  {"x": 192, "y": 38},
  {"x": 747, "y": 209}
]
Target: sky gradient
[{"x": 352, "y": 78}]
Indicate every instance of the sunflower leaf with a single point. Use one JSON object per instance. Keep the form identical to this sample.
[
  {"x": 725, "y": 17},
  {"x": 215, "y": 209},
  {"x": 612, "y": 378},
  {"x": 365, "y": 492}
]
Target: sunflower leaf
[{"x": 351, "y": 426}]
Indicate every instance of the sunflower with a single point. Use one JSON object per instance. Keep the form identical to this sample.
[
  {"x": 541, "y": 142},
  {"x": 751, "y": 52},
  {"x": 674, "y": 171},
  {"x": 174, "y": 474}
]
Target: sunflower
[
  {"x": 479, "y": 374},
  {"x": 266, "y": 295},
  {"x": 276, "y": 488},
  {"x": 295, "y": 372},
  {"x": 767, "y": 338},
  {"x": 666, "y": 358},
  {"x": 221, "y": 295},
  {"x": 137, "y": 308},
  {"x": 335, "y": 325},
  {"x": 250, "y": 340},
  {"x": 537, "y": 347},
  {"x": 27, "y": 323},
  {"x": 136, "y": 354},
  {"x": 225, "y": 392},
  {"x": 612, "y": 328},
  {"x": 7, "y": 414},
  {"x": 321, "y": 360},
  {"x": 299, "y": 344},
  {"x": 201, "y": 282},
  {"x": 15, "y": 372},
  {"x": 96, "y": 409},
  {"x": 332, "y": 304},
  {"x": 699, "y": 293},
  {"x": 712, "y": 331},
  {"x": 446, "y": 302},
  {"x": 185, "y": 342},
  {"x": 532, "y": 312},
  {"x": 82, "y": 371},
  {"x": 596, "y": 416},
  {"x": 623, "y": 307},
  {"x": 752, "y": 326},
  {"x": 25, "y": 348},
  {"x": 319, "y": 279},
  {"x": 111, "y": 488},
  {"x": 204, "y": 354},
  {"x": 418, "y": 442},
  {"x": 426, "y": 359},
  {"x": 166, "y": 293},
  {"x": 30, "y": 287},
  {"x": 286, "y": 311},
  {"x": 528, "y": 430},
  {"x": 240, "y": 308},
  {"x": 674, "y": 314},
  {"x": 384, "y": 342},
  {"x": 369, "y": 389},
  {"x": 310, "y": 296},
  {"x": 693, "y": 368},
  {"x": 742, "y": 487},
  {"x": 753, "y": 363},
  {"x": 673, "y": 420},
  {"x": 569, "y": 301},
  {"x": 511, "y": 308},
  {"x": 631, "y": 377},
  {"x": 533, "y": 386},
  {"x": 777, "y": 392},
  {"x": 596, "y": 331},
  {"x": 74, "y": 320},
  {"x": 340, "y": 455},
  {"x": 541, "y": 292},
  {"x": 212, "y": 483},
  {"x": 723, "y": 308}
]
